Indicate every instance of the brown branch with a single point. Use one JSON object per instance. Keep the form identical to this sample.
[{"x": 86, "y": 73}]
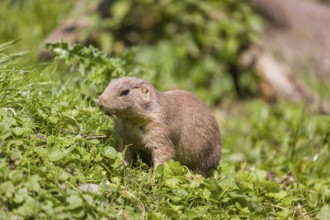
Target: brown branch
[{"x": 280, "y": 79}]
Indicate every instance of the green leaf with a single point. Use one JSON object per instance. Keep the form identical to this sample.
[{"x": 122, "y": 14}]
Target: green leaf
[
  {"x": 324, "y": 213},
  {"x": 204, "y": 193},
  {"x": 278, "y": 195},
  {"x": 74, "y": 201},
  {"x": 29, "y": 208},
  {"x": 15, "y": 153},
  {"x": 48, "y": 207},
  {"x": 180, "y": 193},
  {"x": 57, "y": 155},
  {"x": 244, "y": 210},
  {"x": 94, "y": 141},
  {"x": 7, "y": 188},
  {"x": 89, "y": 199},
  {"x": 33, "y": 183},
  {"x": 174, "y": 168},
  {"x": 176, "y": 208},
  {"x": 18, "y": 131},
  {"x": 110, "y": 152},
  {"x": 21, "y": 195},
  {"x": 172, "y": 182}
]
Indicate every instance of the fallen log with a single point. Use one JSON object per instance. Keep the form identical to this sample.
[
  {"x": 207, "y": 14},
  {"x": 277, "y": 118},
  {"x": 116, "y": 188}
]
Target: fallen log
[{"x": 295, "y": 42}]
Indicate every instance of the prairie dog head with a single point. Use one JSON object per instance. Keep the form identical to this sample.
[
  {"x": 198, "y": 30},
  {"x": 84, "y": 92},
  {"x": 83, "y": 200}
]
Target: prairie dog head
[{"x": 127, "y": 97}]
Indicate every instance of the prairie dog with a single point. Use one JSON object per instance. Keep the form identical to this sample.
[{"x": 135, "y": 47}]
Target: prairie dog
[{"x": 161, "y": 126}]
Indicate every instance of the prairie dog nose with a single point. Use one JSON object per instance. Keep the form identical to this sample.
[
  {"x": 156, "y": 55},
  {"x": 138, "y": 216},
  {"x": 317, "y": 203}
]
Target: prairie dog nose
[{"x": 100, "y": 102}]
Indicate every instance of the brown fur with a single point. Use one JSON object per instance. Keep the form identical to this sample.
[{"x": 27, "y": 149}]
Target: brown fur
[{"x": 162, "y": 125}]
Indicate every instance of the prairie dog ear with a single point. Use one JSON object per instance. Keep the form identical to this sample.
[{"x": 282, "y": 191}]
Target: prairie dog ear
[{"x": 145, "y": 90}]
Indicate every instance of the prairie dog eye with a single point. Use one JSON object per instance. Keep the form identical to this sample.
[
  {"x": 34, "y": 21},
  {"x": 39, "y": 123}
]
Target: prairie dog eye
[{"x": 124, "y": 92}]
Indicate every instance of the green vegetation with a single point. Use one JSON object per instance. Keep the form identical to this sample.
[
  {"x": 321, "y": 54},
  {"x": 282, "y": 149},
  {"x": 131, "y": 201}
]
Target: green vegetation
[
  {"x": 176, "y": 38},
  {"x": 30, "y": 21},
  {"x": 54, "y": 141}
]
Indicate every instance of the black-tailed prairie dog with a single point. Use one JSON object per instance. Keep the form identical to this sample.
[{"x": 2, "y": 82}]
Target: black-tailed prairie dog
[{"x": 161, "y": 126}]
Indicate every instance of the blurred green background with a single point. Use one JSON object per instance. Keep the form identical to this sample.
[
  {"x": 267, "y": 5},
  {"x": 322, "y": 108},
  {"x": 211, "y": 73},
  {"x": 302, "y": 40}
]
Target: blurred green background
[{"x": 193, "y": 45}]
